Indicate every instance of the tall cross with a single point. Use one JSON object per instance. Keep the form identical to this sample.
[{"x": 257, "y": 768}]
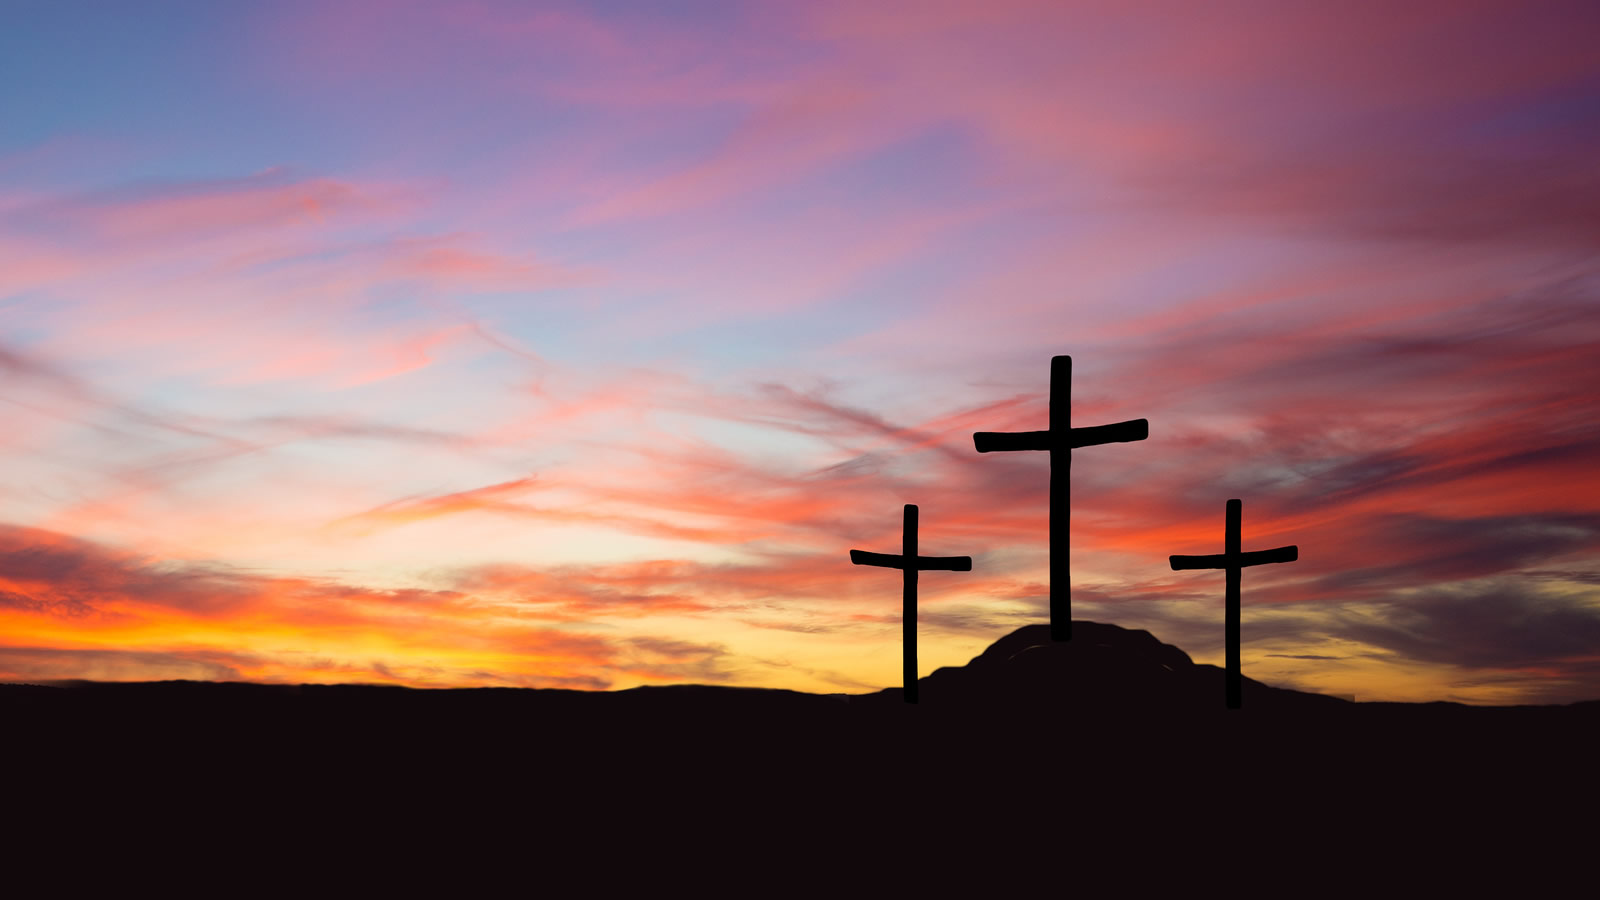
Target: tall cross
[
  {"x": 910, "y": 563},
  {"x": 1233, "y": 562},
  {"x": 1061, "y": 438}
]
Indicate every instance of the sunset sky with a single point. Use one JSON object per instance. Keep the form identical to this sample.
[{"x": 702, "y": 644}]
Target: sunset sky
[{"x": 575, "y": 345}]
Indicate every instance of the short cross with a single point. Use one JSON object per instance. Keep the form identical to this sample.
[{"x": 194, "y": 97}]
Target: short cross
[
  {"x": 1061, "y": 438},
  {"x": 1233, "y": 562},
  {"x": 910, "y": 563}
]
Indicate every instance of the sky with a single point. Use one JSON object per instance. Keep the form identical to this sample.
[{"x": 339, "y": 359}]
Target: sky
[{"x": 575, "y": 345}]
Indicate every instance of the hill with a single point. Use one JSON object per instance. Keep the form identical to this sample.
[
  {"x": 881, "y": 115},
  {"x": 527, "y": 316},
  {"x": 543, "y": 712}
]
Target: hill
[
  {"x": 1114, "y": 741},
  {"x": 1024, "y": 691}
]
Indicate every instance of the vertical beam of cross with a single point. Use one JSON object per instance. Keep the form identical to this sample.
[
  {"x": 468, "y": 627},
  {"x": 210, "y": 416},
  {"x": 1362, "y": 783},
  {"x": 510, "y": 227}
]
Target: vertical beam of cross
[
  {"x": 1232, "y": 560},
  {"x": 1059, "y": 441},
  {"x": 910, "y": 563}
]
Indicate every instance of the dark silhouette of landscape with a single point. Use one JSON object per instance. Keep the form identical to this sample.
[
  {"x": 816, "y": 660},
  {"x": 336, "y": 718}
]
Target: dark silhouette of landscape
[
  {"x": 1110, "y": 749},
  {"x": 1122, "y": 685}
]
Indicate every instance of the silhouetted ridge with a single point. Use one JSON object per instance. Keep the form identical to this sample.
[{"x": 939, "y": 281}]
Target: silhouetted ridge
[{"x": 1104, "y": 667}]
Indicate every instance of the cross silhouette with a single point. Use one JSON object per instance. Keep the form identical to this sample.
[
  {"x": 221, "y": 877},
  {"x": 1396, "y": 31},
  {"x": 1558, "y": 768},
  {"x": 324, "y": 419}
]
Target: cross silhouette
[
  {"x": 1233, "y": 562},
  {"x": 1061, "y": 438},
  {"x": 910, "y": 563}
]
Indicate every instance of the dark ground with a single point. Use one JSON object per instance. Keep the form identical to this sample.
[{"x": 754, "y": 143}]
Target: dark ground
[{"x": 1112, "y": 741}]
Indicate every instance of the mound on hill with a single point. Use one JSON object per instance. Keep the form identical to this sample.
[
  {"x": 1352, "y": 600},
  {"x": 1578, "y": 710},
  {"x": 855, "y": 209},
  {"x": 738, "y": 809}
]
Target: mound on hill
[{"x": 1103, "y": 669}]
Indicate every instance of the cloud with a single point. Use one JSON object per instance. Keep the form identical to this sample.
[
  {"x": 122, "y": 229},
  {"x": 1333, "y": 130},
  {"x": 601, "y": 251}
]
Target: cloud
[
  {"x": 1578, "y": 576},
  {"x": 1303, "y": 656},
  {"x": 1494, "y": 625},
  {"x": 186, "y": 618},
  {"x": 49, "y": 572},
  {"x": 196, "y": 211},
  {"x": 569, "y": 593},
  {"x": 52, "y": 664},
  {"x": 264, "y": 278},
  {"x": 677, "y": 661},
  {"x": 1430, "y": 550}
]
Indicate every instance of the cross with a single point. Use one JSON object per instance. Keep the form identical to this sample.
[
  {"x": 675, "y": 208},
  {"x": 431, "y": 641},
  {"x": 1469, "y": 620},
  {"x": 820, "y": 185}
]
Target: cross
[
  {"x": 910, "y": 563},
  {"x": 1233, "y": 562},
  {"x": 1061, "y": 438}
]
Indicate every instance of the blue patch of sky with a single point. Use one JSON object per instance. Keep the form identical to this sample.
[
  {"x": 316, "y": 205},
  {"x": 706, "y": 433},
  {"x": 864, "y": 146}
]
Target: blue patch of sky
[
  {"x": 167, "y": 82},
  {"x": 554, "y": 324},
  {"x": 923, "y": 176},
  {"x": 131, "y": 73},
  {"x": 928, "y": 171},
  {"x": 678, "y": 141},
  {"x": 1570, "y": 112}
]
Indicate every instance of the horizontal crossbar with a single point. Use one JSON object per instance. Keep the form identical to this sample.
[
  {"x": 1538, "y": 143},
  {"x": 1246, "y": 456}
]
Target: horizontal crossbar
[
  {"x": 924, "y": 563},
  {"x": 990, "y": 441},
  {"x": 1090, "y": 436},
  {"x": 1227, "y": 561},
  {"x": 1119, "y": 433}
]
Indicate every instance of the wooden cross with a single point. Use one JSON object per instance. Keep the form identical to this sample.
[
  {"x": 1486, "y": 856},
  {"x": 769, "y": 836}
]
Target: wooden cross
[
  {"x": 1233, "y": 562},
  {"x": 1061, "y": 438},
  {"x": 910, "y": 563}
]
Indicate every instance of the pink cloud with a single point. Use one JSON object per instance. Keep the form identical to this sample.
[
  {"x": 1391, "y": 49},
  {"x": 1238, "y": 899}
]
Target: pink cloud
[{"x": 256, "y": 279}]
